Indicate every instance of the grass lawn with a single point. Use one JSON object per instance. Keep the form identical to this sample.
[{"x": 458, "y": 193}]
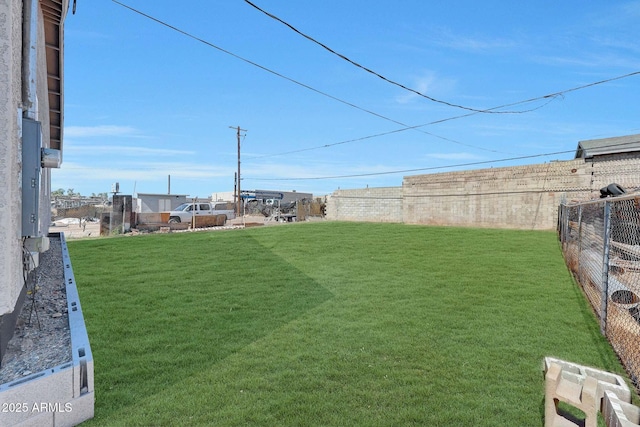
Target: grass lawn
[{"x": 330, "y": 324}]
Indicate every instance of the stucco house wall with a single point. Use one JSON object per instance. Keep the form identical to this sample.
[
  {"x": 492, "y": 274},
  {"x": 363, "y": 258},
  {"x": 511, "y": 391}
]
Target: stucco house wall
[
  {"x": 10, "y": 154},
  {"x": 28, "y": 69}
]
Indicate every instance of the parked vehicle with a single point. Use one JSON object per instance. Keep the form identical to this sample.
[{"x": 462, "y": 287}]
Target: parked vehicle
[{"x": 186, "y": 211}]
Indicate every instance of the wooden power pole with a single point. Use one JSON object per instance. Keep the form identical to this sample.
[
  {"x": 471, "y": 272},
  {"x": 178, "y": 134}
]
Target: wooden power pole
[{"x": 238, "y": 193}]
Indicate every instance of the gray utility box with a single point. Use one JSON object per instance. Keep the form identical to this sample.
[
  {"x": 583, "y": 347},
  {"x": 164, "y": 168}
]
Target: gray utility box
[{"x": 31, "y": 159}]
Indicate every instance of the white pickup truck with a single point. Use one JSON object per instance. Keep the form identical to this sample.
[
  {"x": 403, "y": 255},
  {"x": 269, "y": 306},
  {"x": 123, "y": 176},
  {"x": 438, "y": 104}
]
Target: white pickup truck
[{"x": 186, "y": 211}]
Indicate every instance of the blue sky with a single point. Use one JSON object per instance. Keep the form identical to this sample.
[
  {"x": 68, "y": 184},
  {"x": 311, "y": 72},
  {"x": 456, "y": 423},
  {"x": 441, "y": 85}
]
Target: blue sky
[{"x": 144, "y": 101}]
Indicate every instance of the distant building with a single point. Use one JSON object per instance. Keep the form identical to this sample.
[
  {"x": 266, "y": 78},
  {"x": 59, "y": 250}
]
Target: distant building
[
  {"x": 155, "y": 203},
  {"x": 609, "y": 148},
  {"x": 223, "y": 196},
  {"x": 67, "y": 202}
]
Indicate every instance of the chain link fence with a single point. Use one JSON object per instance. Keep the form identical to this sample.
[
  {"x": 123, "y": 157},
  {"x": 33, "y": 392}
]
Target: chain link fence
[{"x": 601, "y": 244}]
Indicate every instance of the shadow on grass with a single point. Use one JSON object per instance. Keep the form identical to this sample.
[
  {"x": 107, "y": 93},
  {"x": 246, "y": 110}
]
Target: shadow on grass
[{"x": 160, "y": 309}]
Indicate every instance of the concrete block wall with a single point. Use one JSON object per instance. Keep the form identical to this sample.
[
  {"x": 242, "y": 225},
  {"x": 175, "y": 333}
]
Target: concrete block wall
[
  {"x": 618, "y": 413},
  {"x": 379, "y": 204},
  {"x": 623, "y": 170},
  {"x": 517, "y": 197}
]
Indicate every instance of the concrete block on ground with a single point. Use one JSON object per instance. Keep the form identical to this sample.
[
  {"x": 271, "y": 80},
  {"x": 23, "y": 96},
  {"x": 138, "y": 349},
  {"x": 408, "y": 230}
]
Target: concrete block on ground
[
  {"x": 606, "y": 380},
  {"x": 579, "y": 395},
  {"x": 618, "y": 413}
]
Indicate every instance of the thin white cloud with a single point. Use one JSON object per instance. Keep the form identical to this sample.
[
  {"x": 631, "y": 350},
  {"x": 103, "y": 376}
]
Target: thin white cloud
[
  {"x": 286, "y": 170},
  {"x": 105, "y": 130},
  {"x": 422, "y": 85},
  {"x": 428, "y": 84},
  {"x": 123, "y": 150},
  {"x": 145, "y": 171},
  {"x": 454, "y": 156},
  {"x": 589, "y": 60},
  {"x": 446, "y": 38},
  {"x": 617, "y": 16},
  {"x": 283, "y": 170}
]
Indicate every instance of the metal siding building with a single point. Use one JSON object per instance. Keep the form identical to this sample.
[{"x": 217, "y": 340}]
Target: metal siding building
[
  {"x": 155, "y": 203},
  {"x": 608, "y": 146}
]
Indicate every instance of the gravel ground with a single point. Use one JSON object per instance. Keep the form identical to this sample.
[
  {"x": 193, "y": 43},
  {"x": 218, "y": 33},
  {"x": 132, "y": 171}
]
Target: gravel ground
[{"x": 42, "y": 339}]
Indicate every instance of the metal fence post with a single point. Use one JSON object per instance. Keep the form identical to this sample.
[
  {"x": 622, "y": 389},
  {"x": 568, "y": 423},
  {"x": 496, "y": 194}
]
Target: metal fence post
[
  {"x": 580, "y": 240},
  {"x": 605, "y": 268},
  {"x": 565, "y": 223},
  {"x": 560, "y": 223},
  {"x": 567, "y": 227}
]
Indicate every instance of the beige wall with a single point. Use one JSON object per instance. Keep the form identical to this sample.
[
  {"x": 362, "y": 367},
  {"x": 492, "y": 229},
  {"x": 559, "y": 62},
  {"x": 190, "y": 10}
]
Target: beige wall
[
  {"x": 381, "y": 204},
  {"x": 519, "y": 197},
  {"x": 621, "y": 169},
  {"x": 523, "y": 197}
]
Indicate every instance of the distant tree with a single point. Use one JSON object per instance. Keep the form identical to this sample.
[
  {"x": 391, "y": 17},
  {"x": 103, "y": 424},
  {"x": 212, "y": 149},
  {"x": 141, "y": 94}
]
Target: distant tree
[
  {"x": 57, "y": 193},
  {"x": 72, "y": 193}
]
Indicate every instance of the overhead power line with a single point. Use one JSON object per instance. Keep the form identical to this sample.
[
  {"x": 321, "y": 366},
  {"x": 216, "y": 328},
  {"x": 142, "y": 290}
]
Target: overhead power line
[
  {"x": 306, "y": 86},
  {"x": 484, "y": 162},
  {"x": 268, "y": 70},
  {"x": 549, "y": 97},
  {"x": 360, "y": 175},
  {"x": 370, "y": 71}
]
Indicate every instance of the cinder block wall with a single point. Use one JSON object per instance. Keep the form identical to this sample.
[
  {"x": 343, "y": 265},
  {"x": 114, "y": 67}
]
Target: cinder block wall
[
  {"x": 519, "y": 197},
  {"x": 623, "y": 169},
  {"x": 381, "y": 204}
]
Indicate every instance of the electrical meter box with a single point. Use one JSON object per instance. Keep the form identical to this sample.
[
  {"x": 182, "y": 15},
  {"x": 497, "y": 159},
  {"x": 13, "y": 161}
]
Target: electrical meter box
[{"x": 31, "y": 159}]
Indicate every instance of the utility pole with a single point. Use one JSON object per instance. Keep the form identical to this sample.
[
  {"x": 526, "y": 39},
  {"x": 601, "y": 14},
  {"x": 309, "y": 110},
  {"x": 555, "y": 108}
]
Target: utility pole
[
  {"x": 238, "y": 193},
  {"x": 235, "y": 189}
]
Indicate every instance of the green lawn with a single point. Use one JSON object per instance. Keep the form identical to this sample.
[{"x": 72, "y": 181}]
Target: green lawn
[{"x": 330, "y": 324}]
